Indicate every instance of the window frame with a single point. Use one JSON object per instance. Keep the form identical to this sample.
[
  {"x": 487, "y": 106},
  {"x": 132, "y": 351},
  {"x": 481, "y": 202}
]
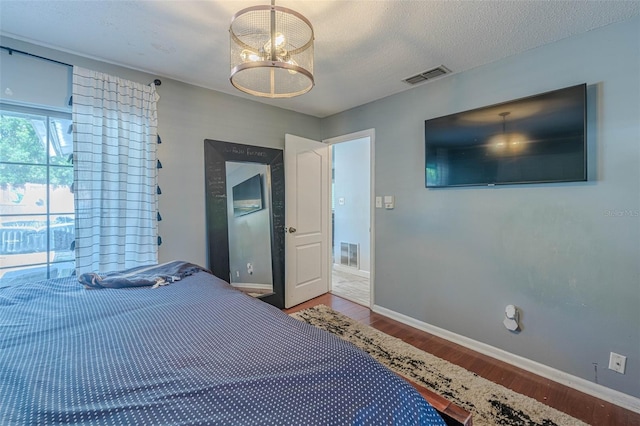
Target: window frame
[{"x": 49, "y": 114}]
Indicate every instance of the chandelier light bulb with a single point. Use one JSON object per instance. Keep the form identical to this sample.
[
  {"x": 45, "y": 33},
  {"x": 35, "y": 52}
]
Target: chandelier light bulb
[
  {"x": 280, "y": 42},
  {"x": 250, "y": 56}
]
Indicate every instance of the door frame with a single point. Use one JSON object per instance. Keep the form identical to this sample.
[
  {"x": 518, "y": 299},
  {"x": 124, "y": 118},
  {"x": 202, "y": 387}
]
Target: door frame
[{"x": 370, "y": 133}]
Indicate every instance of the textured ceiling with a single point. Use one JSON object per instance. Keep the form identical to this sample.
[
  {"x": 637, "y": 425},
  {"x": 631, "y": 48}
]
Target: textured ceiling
[{"x": 364, "y": 49}]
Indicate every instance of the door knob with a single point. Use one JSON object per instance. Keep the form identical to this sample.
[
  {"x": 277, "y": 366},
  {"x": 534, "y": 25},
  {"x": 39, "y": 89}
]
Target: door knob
[{"x": 291, "y": 229}]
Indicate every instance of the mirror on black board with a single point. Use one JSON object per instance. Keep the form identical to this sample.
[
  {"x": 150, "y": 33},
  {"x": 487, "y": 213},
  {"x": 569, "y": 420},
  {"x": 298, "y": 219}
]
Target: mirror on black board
[
  {"x": 249, "y": 227},
  {"x": 220, "y": 215}
]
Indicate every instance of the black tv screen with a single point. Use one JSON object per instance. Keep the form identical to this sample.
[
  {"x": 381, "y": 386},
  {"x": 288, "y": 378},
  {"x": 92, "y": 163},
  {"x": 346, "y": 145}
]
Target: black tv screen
[
  {"x": 537, "y": 139},
  {"x": 247, "y": 196}
]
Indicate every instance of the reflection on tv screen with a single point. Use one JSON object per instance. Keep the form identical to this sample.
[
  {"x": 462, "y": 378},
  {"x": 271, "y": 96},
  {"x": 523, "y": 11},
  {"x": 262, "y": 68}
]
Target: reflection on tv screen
[{"x": 537, "y": 139}]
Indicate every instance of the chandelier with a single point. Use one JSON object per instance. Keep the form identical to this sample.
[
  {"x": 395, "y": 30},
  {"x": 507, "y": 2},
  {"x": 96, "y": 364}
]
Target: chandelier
[
  {"x": 507, "y": 142},
  {"x": 271, "y": 52}
]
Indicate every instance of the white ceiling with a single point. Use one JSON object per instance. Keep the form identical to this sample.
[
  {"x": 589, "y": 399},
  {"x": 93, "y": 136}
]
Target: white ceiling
[{"x": 363, "y": 49}]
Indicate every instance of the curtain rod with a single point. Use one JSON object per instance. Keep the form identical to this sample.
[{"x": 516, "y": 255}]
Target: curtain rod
[{"x": 11, "y": 51}]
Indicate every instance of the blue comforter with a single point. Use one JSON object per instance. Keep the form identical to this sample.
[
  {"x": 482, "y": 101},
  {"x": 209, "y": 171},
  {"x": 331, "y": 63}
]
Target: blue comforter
[
  {"x": 141, "y": 276},
  {"x": 194, "y": 352}
]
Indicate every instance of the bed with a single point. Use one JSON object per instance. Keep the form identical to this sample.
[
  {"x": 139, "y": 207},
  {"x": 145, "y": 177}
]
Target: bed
[{"x": 193, "y": 351}]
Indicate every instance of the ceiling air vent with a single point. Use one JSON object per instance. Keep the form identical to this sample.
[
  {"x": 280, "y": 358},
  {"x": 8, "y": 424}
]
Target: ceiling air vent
[{"x": 427, "y": 75}]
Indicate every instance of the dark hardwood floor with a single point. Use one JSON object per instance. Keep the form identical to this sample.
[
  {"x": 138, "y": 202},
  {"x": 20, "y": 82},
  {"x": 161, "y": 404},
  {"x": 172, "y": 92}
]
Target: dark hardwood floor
[{"x": 577, "y": 404}]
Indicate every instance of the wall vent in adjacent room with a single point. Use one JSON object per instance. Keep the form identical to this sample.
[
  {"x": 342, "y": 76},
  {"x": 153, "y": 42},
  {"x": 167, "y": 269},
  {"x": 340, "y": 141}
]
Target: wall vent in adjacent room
[
  {"x": 427, "y": 75},
  {"x": 349, "y": 255}
]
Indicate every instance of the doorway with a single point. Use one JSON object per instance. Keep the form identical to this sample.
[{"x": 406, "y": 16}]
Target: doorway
[{"x": 351, "y": 217}]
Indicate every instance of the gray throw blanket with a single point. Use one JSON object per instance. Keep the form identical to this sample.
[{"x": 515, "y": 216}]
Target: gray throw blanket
[{"x": 141, "y": 276}]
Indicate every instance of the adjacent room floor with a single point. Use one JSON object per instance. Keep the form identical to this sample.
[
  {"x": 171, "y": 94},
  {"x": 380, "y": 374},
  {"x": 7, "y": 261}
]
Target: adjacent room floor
[{"x": 350, "y": 286}]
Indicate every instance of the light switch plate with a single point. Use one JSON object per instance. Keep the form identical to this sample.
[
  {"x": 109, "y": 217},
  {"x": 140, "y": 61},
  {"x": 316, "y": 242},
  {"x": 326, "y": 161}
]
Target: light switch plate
[{"x": 388, "y": 202}]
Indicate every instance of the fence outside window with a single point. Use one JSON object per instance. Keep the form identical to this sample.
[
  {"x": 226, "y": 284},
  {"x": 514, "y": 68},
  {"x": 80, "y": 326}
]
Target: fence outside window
[{"x": 36, "y": 195}]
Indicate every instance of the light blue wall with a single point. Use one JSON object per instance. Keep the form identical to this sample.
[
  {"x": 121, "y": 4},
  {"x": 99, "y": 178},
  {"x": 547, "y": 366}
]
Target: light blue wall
[
  {"x": 567, "y": 254},
  {"x": 352, "y": 165},
  {"x": 187, "y": 115},
  {"x": 249, "y": 234}
]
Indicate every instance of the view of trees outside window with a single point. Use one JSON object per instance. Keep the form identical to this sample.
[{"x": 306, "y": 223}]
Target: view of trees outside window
[{"x": 36, "y": 195}]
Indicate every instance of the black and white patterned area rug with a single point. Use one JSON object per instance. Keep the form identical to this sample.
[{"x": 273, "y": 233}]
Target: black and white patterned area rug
[{"x": 490, "y": 404}]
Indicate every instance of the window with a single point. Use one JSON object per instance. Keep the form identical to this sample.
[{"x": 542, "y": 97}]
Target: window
[{"x": 36, "y": 195}]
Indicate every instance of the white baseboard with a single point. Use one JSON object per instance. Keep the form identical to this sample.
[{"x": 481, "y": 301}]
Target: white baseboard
[
  {"x": 349, "y": 270},
  {"x": 253, "y": 286},
  {"x": 613, "y": 396}
]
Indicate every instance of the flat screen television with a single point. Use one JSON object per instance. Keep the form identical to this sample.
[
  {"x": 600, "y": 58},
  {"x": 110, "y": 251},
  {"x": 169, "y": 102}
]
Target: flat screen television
[
  {"x": 537, "y": 139},
  {"x": 247, "y": 196}
]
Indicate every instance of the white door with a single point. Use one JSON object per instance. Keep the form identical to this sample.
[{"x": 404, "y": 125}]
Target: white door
[{"x": 306, "y": 170}]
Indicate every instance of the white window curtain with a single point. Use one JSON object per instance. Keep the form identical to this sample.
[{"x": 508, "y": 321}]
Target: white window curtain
[{"x": 116, "y": 202}]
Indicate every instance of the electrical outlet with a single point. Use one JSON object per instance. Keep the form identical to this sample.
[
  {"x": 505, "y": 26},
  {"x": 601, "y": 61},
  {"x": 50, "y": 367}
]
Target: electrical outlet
[{"x": 617, "y": 362}]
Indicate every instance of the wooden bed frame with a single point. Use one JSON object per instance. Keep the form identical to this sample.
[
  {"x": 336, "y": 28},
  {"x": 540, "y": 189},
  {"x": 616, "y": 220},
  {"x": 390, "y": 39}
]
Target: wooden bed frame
[{"x": 452, "y": 414}]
